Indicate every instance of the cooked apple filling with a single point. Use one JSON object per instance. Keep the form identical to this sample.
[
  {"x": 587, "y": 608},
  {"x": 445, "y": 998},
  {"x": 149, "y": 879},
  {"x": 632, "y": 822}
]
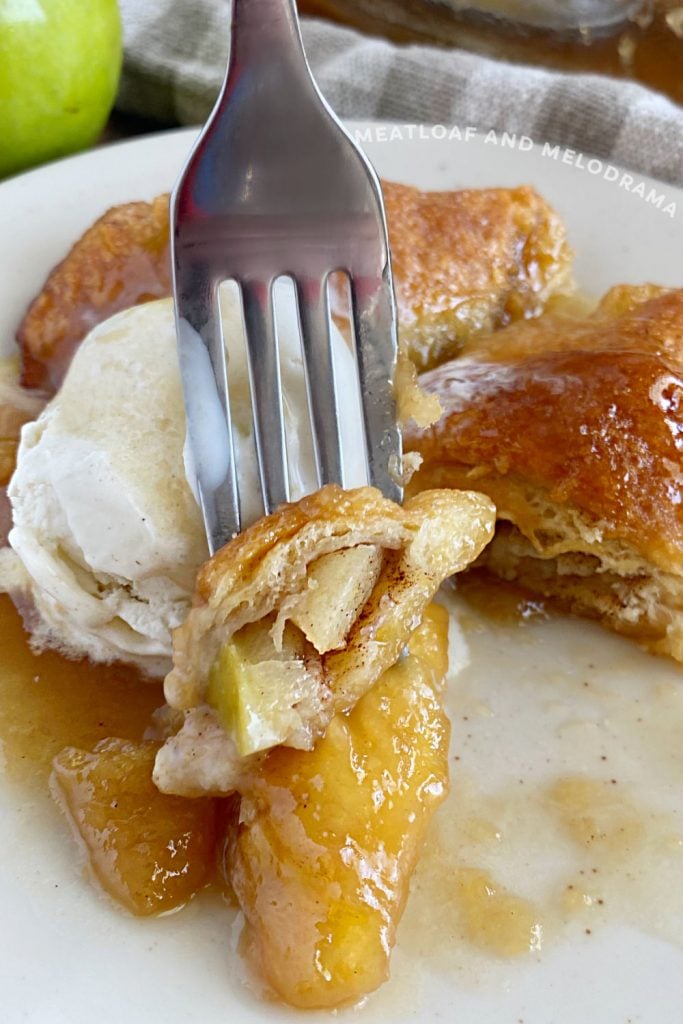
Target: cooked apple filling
[
  {"x": 328, "y": 839},
  {"x": 307, "y": 682},
  {"x": 298, "y": 617},
  {"x": 319, "y": 849}
]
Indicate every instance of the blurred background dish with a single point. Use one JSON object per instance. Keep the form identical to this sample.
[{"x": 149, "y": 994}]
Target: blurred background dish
[
  {"x": 638, "y": 39},
  {"x": 520, "y": 66}
]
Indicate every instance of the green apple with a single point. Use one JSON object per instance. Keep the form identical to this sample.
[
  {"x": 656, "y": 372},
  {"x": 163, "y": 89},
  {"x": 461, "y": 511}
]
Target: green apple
[
  {"x": 255, "y": 702},
  {"x": 60, "y": 62}
]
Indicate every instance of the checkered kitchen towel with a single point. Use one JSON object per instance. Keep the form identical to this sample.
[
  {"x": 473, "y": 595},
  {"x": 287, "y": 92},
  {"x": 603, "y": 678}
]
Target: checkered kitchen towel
[{"x": 175, "y": 53}]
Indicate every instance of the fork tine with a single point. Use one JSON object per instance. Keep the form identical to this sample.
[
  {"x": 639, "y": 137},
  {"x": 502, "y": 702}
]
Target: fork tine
[
  {"x": 201, "y": 354},
  {"x": 266, "y": 392},
  {"x": 314, "y": 320},
  {"x": 374, "y": 318}
]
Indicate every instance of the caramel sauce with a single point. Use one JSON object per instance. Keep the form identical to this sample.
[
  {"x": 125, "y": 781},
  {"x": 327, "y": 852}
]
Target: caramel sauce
[
  {"x": 497, "y": 600},
  {"x": 595, "y": 815},
  {"x": 492, "y": 918},
  {"x": 48, "y": 703},
  {"x": 544, "y": 844},
  {"x": 616, "y": 860}
]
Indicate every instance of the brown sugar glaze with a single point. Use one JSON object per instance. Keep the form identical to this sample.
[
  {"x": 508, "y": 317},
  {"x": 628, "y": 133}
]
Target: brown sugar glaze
[{"x": 596, "y": 420}]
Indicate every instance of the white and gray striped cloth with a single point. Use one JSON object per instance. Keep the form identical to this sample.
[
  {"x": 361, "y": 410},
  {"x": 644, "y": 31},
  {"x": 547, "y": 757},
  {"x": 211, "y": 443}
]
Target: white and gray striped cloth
[{"x": 175, "y": 53}]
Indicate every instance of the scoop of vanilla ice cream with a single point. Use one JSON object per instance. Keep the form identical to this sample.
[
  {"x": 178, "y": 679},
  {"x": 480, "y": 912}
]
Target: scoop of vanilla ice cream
[{"x": 107, "y": 534}]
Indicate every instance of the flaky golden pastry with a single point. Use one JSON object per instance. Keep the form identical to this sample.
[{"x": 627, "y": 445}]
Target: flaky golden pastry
[
  {"x": 298, "y": 616},
  {"x": 464, "y": 262},
  {"x": 575, "y": 430},
  {"x": 121, "y": 261},
  {"x": 468, "y": 262}
]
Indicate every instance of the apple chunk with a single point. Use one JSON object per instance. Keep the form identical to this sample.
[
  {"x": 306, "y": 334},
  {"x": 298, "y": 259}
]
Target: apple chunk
[
  {"x": 256, "y": 688},
  {"x": 150, "y": 851},
  {"x": 328, "y": 839},
  {"x": 339, "y": 584}
]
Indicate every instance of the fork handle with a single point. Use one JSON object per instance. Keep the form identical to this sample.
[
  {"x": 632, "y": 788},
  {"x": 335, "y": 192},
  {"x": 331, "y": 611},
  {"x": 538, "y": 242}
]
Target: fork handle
[{"x": 264, "y": 30}]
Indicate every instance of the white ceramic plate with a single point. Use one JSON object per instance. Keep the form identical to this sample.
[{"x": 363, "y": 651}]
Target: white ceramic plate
[{"x": 522, "y": 711}]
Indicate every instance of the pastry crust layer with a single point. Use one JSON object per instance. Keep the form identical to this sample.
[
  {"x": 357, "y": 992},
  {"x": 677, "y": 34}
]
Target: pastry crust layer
[
  {"x": 464, "y": 262},
  {"x": 468, "y": 262},
  {"x": 574, "y": 428}
]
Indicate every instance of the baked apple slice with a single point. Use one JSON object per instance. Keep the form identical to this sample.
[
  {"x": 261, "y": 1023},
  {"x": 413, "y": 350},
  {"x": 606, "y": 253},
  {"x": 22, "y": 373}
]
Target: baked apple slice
[
  {"x": 328, "y": 838},
  {"x": 151, "y": 852}
]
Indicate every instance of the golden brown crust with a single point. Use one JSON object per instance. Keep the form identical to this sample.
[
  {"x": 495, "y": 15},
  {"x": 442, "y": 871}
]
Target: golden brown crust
[
  {"x": 464, "y": 262},
  {"x": 642, "y": 318},
  {"x": 574, "y": 428},
  {"x": 589, "y": 413},
  {"x": 468, "y": 262},
  {"x": 121, "y": 261},
  {"x": 597, "y": 579}
]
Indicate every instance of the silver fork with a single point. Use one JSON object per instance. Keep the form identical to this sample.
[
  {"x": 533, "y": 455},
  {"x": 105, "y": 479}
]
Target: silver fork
[{"x": 275, "y": 186}]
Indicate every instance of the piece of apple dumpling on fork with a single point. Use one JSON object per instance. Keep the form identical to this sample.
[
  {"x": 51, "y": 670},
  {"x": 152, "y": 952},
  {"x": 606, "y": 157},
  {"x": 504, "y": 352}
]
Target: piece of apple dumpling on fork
[
  {"x": 297, "y": 618},
  {"x": 313, "y": 633}
]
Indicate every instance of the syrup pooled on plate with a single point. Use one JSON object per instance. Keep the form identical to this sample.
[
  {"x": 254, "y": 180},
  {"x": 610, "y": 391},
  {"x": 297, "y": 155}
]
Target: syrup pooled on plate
[
  {"x": 149, "y": 851},
  {"x": 49, "y": 702},
  {"x": 565, "y": 810},
  {"x": 607, "y": 721},
  {"x": 497, "y": 600}
]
